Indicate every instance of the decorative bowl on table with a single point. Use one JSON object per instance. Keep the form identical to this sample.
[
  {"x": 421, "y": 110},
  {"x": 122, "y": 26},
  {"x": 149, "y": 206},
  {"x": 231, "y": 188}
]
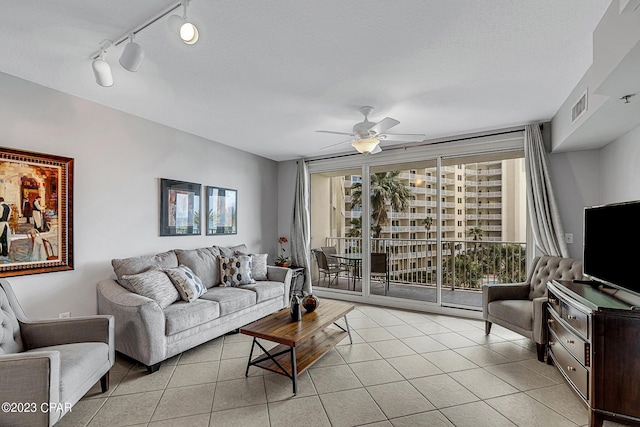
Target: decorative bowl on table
[{"x": 310, "y": 303}]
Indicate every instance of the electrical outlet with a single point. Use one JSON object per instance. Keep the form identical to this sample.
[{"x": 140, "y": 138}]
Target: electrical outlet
[
  {"x": 568, "y": 237},
  {"x": 64, "y": 315}
]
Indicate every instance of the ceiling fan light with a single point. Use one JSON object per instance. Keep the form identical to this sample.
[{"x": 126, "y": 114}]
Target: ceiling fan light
[
  {"x": 132, "y": 56},
  {"x": 366, "y": 145},
  {"x": 102, "y": 71}
]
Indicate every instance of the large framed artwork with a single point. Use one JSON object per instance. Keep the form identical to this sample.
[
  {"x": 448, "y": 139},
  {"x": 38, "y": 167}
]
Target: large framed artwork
[
  {"x": 222, "y": 211},
  {"x": 179, "y": 208},
  {"x": 36, "y": 213}
]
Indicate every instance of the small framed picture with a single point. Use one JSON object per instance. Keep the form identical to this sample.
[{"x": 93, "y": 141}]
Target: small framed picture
[
  {"x": 222, "y": 211},
  {"x": 179, "y": 208}
]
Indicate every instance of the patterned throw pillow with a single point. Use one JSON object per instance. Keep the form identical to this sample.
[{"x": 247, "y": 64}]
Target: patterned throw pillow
[
  {"x": 236, "y": 271},
  {"x": 189, "y": 286},
  {"x": 154, "y": 284}
]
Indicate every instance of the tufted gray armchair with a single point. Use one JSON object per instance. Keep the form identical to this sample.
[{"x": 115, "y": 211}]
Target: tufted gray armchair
[
  {"x": 46, "y": 366},
  {"x": 520, "y": 307}
]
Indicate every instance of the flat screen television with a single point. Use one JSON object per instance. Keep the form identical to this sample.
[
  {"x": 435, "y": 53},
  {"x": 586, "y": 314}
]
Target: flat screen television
[{"x": 611, "y": 239}]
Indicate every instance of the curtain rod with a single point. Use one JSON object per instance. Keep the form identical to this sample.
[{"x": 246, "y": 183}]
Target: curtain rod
[{"x": 425, "y": 144}]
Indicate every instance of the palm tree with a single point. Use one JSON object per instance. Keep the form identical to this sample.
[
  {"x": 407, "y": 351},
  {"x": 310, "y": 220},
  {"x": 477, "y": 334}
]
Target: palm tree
[
  {"x": 476, "y": 232},
  {"x": 385, "y": 190},
  {"x": 427, "y": 222}
]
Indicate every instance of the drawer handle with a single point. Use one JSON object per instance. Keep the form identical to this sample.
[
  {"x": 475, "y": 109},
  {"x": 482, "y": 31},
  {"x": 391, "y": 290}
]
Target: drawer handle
[
  {"x": 570, "y": 368},
  {"x": 551, "y": 321},
  {"x": 571, "y": 317},
  {"x": 570, "y": 342},
  {"x": 553, "y": 300}
]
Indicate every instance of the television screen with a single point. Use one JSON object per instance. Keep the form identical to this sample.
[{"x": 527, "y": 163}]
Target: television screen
[{"x": 611, "y": 239}]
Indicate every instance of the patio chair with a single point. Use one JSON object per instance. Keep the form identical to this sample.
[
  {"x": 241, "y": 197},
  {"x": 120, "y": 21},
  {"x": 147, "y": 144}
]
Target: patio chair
[
  {"x": 325, "y": 268},
  {"x": 329, "y": 251},
  {"x": 380, "y": 268}
]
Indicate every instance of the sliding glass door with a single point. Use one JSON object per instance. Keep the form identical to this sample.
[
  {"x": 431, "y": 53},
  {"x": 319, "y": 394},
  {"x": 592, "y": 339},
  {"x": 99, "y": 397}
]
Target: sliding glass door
[{"x": 436, "y": 229}]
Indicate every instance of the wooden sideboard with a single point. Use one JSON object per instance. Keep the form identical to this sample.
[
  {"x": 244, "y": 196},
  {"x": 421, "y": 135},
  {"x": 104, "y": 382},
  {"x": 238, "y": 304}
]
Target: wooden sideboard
[{"x": 594, "y": 340}]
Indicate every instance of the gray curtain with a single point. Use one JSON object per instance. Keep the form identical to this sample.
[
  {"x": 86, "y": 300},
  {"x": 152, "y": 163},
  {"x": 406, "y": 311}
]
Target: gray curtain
[
  {"x": 543, "y": 210},
  {"x": 300, "y": 228}
]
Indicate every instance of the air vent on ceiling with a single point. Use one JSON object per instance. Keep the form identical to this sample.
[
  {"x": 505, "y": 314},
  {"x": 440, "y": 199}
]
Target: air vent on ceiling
[{"x": 579, "y": 107}]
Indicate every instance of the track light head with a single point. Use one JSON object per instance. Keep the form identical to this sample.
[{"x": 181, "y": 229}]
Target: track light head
[
  {"x": 102, "y": 71},
  {"x": 187, "y": 30},
  {"x": 132, "y": 56}
]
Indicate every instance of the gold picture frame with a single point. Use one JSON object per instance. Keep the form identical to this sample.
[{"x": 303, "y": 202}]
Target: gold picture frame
[{"x": 36, "y": 213}]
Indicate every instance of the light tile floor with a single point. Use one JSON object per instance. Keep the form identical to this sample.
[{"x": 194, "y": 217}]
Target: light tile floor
[{"x": 403, "y": 369}]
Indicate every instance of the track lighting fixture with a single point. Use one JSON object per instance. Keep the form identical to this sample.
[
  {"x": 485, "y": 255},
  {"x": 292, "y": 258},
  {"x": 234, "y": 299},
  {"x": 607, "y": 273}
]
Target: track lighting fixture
[
  {"x": 102, "y": 70},
  {"x": 133, "y": 54},
  {"x": 187, "y": 30}
]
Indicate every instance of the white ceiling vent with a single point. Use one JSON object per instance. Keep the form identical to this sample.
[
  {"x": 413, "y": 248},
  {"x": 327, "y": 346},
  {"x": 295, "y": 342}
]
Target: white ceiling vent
[{"x": 579, "y": 107}]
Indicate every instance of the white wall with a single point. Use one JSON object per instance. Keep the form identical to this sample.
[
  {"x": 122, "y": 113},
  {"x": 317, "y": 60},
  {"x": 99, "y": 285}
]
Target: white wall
[
  {"x": 119, "y": 160},
  {"x": 620, "y": 168},
  {"x": 576, "y": 181}
]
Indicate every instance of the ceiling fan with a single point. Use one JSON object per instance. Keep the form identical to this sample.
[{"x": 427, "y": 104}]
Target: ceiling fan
[{"x": 366, "y": 136}]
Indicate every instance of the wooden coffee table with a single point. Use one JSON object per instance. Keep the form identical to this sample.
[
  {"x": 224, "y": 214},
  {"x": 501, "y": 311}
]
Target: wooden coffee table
[{"x": 300, "y": 344}]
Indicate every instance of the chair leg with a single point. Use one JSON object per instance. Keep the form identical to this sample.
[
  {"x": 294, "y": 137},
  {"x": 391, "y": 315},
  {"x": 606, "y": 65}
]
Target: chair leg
[
  {"x": 154, "y": 368},
  {"x": 487, "y": 327},
  {"x": 540, "y": 350},
  {"x": 104, "y": 382}
]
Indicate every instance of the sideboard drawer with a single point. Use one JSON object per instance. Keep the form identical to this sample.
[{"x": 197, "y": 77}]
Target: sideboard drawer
[
  {"x": 570, "y": 367},
  {"x": 554, "y": 303},
  {"x": 577, "y": 319},
  {"x": 572, "y": 342}
]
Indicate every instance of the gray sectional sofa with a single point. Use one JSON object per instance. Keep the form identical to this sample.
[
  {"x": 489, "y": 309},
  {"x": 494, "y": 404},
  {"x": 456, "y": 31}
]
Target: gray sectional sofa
[{"x": 150, "y": 333}]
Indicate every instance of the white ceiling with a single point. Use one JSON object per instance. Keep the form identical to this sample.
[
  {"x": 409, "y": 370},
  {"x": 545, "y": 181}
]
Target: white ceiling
[{"x": 266, "y": 74}]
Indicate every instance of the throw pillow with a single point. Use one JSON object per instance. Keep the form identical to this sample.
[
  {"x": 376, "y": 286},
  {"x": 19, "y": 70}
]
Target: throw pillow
[
  {"x": 203, "y": 262},
  {"x": 154, "y": 284},
  {"x": 189, "y": 286},
  {"x": 258, "y": 265},
  {"x": 236, "y": 271},
  {"x": 136, "y": 265}
]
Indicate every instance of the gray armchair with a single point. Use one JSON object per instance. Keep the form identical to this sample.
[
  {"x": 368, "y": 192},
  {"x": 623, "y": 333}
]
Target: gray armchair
[
  {"x": 520, "y": 307},
  {"x": 46, "y": 366}
]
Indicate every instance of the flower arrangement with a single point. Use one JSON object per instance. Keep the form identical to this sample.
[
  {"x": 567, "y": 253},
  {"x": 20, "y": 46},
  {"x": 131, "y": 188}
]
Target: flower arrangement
[{"x": 283, "y": 259}]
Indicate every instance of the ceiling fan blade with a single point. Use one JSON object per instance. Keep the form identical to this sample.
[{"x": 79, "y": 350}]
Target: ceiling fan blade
[
  {"x": 403, "y": 137},
  {"x": 338, "y": 143},
  {"x": 335, "y": 133},
  {"x": 384, "y": 124},
  {"x": 376, "y": 150}
]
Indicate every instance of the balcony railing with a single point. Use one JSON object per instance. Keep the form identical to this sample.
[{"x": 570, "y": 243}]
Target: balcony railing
[{"x": 466, "y": 264}]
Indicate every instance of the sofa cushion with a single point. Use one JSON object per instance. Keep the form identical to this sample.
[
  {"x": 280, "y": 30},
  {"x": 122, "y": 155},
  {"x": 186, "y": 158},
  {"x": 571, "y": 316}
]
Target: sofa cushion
[
  {"x": 135, "y": 265},
  {"x": 518, "y": 312},
  {"x": 154, "y": 284},
  {"x": 235, "y": 271},
  {"x": 231, "y": 251},
  {"x": 189, "y": 285},
  {"x": 266, "y": 290},
  {"x": 183, "y": 315},
  {"x": 203, "y": 262},
  {"x": 231, "y": 299},
  {"x": 78, "y": 362}
]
